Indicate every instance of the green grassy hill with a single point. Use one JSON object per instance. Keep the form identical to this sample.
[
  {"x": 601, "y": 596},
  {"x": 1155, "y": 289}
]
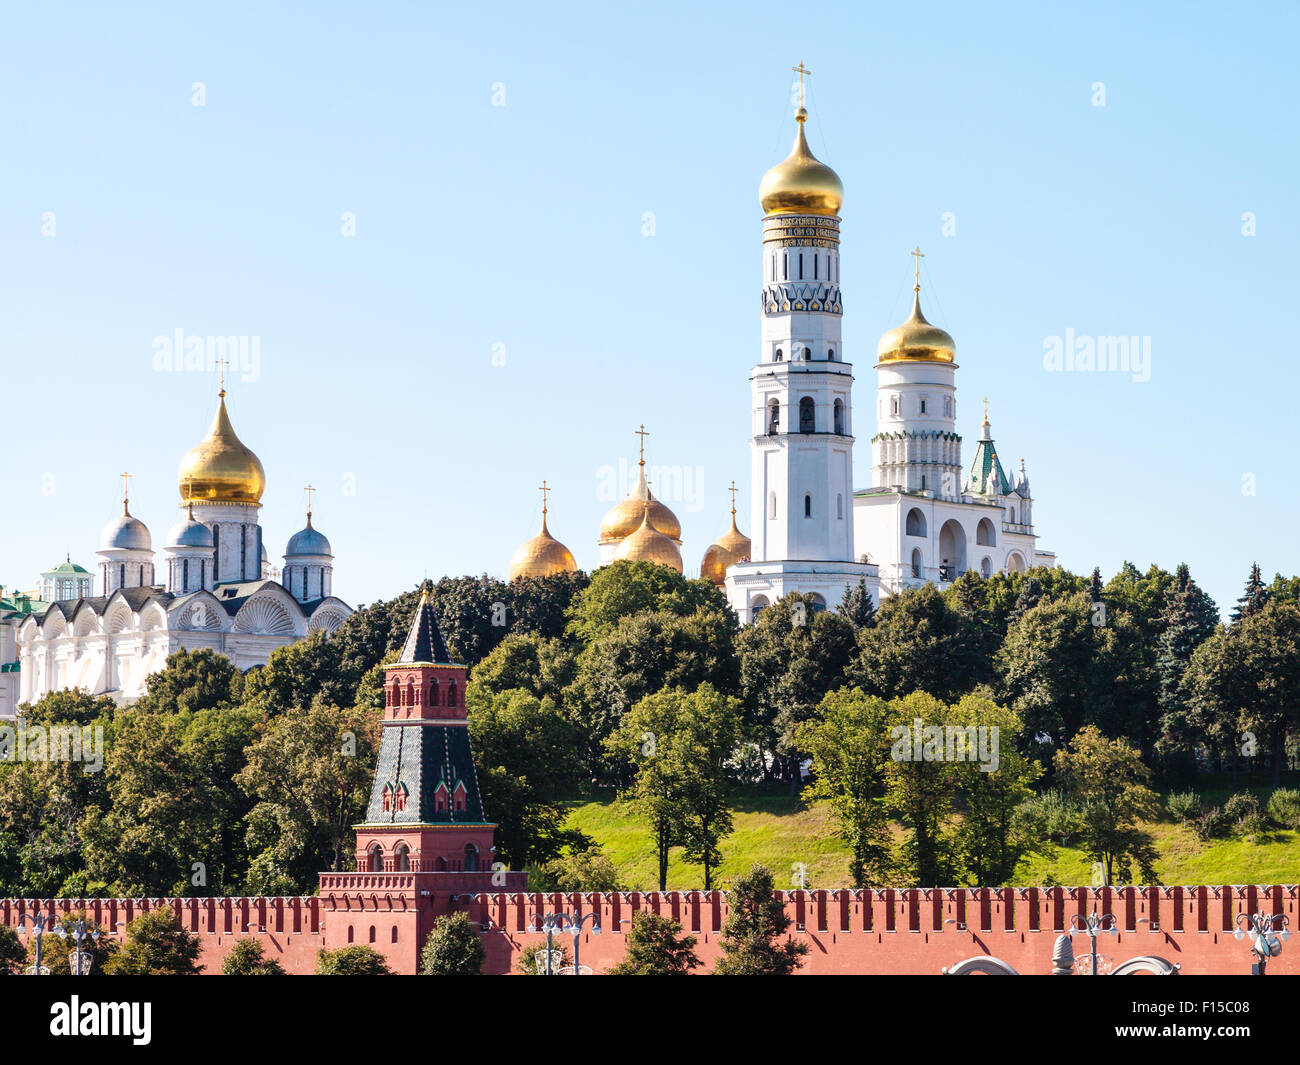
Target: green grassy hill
[{"x": 780, "y": 832}]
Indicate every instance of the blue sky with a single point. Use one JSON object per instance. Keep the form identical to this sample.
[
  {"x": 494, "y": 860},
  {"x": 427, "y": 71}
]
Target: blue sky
[{"x": 518, "y": 230}]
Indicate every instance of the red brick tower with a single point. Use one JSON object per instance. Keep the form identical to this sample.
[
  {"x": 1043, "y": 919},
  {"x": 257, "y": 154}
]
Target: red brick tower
[{"x": 425, "y": 838}]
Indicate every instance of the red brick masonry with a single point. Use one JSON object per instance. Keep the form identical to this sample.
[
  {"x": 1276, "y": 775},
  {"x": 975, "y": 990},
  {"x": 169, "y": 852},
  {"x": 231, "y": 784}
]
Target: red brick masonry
[{"x": 872, "y": 931}]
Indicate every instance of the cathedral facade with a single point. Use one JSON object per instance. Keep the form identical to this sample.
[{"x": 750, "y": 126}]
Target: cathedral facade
[{"x": 213, "y": 588}]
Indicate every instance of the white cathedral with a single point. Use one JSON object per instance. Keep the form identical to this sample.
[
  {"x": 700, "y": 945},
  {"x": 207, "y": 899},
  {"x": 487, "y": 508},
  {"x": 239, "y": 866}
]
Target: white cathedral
[
  {"x": 920, "y": 522},
  {"x": 215, "y": 590}
]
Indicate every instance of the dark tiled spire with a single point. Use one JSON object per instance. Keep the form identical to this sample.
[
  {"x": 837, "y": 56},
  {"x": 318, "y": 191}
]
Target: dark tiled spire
[{"x": 424, "y": 643}]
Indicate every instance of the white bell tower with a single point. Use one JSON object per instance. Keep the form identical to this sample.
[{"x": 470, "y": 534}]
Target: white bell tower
[{"x": 801, "y": 442}]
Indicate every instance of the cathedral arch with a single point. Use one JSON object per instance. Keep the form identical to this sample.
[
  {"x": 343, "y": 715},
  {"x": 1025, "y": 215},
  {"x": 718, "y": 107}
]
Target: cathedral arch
[
  {"x": 984, "y": 534},
  {"x": 952, "y": 550},
  {"x": 264, "y": 615},
  {"x": 918, "y": 565},
  {"x": 152, "y": 618},
  {"x": 839, "y": 417},
  {"x": 780, "y": 356},
  {"x": 915, "y": 524},
  {"x": 375, "y": 858},
  {"x": 816, "y": 602},
  {"x": 85, "y": 622},
  {"x": 327, "y": 617},
  {"x": 986, "y": 567},
  {"x": 402, "y": 858},
  {"x": 1015, "y": 562},
  {"x": 756, "y": 605},
  {"x": 773, "y": 416},
  {"x": 118, "y": 618}
]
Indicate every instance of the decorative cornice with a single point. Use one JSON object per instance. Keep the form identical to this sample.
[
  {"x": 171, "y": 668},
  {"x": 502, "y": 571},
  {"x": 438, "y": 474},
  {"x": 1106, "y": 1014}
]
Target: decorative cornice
[{"x": 788, "y": 296}]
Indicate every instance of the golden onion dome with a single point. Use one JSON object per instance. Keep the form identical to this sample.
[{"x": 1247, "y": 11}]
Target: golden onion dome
[
  {"x": 916, "y": 340},
  {"x": 220, "y": 469},
  {"x": 800, "y": 183},
  {"x": 731, "y": 547},
  {"x": 625, "y": 518},
  {"x": 648, "y": 544},
  {"x": 542, "y": 556}
]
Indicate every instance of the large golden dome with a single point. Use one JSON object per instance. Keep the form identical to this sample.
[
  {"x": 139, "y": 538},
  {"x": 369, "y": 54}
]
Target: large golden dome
[
  {"x": 542, "y": 556},
  {"x": 801, "y": 184},
  {"x": 647, "y": 544},
  {"x": 625, "y": 518},
  {"x": 731, "y": 547},
  {"x": 916, "y": 340},
  {"x": 220, "y": 469}
]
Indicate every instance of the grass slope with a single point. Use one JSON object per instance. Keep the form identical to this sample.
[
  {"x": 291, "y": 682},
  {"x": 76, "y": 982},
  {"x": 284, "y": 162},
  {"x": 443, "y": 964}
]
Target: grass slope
[{"x": 778, "y": 831}]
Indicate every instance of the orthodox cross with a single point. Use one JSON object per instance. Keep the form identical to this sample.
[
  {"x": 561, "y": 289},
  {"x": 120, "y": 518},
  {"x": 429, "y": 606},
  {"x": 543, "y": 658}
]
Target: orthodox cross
[
  {"x": 642, "y": 434},
  {"x": 544, "y": 490},
  {"x": 733, "y": 498},
  {"x": 309, "y": 490},
  {"x": 126, "y": 489},
  {"x": 801, "y": 71},
  {"x": 223, "y": 363},
  {"x": 918, "y": 255}
]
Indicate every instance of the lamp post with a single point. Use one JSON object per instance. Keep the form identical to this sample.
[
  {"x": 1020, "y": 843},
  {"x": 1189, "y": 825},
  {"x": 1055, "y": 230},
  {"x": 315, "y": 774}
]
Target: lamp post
[
  {"x": 1266, "y": 938},
  {"x": 38, "y": 923},
  {"x": 78, "y": 933},
  {"x": 1094, "y": 925},
  {"x": 567, "y": 923}
]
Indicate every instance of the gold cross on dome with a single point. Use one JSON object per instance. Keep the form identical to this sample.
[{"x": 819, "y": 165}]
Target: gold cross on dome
[
  {"x": 918, "y": 255},
  {"x": 545, "y": 489},
  {"x": 309, "y": 490},
  {"x": 642, "y": 434},
  {"x": 733, "y": 498},
  {"x": 801, "y": 71},
  {"x": 223, "y": 363},
  {"x": 986, "y": 410}
]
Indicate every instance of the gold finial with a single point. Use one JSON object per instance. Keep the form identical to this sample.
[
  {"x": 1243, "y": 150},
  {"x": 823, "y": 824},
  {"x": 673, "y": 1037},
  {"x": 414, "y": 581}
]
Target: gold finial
[
  {"x": 126, "y": 492},
  {"x": 986, "y": 410},
  {"x": 223, "y": 363},
  {"x": 918, "y": 255},
  {"x": 733, "y": 498},
  {"x": 309, "y": 490},
  {"x": 801, "y": 71},
  {"x": 545, "y": 490},
  {"x": 642, "y": 434}
]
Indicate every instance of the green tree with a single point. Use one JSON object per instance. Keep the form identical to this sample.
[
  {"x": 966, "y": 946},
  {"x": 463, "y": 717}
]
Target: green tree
[
  {"x": 751, "y": 938},
  {"x": 580, "y": 869},
  {"x": 623, "y": 588},
  {"x": 857, "y": 606},
  {"x": 248, "y": 958},
  {"x": 655, "y": 946},
  {"x": 922, "y": 789},
  {"x": 921, "y": 643},
  {"x": 539, "y": 606},
  {"x": 468, "y": 615},
  {"x": 13, "y": 955},
  {"x": 352, "y": 961},
  {"x": 193, "y": 681},
  {"x": 1188, "y": 619},
  {"x": 679, "y": 743},
  {"x": 156, "y": 945},
  {"x": 1108, "y": 781},
  {"x": 790, "y": 657},
  {"x": 1253, "y": 598},
  {"x": 990, "y": 838},
  {"x": 309, "y": 776},
  {"x": 67, "y": 706},
  {"x": 453, "y": 948},
  {"x": 300, "y": 673},
  {"x": 849, "y": 745}
]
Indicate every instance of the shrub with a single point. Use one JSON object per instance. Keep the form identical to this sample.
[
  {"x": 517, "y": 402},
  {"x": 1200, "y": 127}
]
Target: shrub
[
  {"x": 454, "y": 948},
  {"x": 1211, "y": 824},
  {"x": 247, "y": 958},
  {"x": 352, "y": 961},
  {"x": 156, "y": 945},
  {"x": 1284, "y": 808},
  {"x": 1184, "y": 806}
]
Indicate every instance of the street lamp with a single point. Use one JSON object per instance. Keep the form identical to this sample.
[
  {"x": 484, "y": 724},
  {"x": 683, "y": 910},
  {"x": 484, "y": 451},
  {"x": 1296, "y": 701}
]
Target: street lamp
[
  {"x": 1094, "y": 925},
  {"x": 78, "y": 958},
  {"x": 553, "y": 923},
  {"x": 1266, "y": 938},
  {"x": 38, "y": 923}
]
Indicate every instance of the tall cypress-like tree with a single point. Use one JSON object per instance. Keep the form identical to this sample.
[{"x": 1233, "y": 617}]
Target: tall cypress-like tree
[
  {"x": 1187, "y": 621},
  {"x": 750, "y": 937},
  {"x": 1253, "y": 598},
  {"x": 857, "y": 607}
]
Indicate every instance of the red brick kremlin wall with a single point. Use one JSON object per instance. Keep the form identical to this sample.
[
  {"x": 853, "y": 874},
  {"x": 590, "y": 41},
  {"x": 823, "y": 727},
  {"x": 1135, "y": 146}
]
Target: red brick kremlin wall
[{"x": 872, "y": 931}]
